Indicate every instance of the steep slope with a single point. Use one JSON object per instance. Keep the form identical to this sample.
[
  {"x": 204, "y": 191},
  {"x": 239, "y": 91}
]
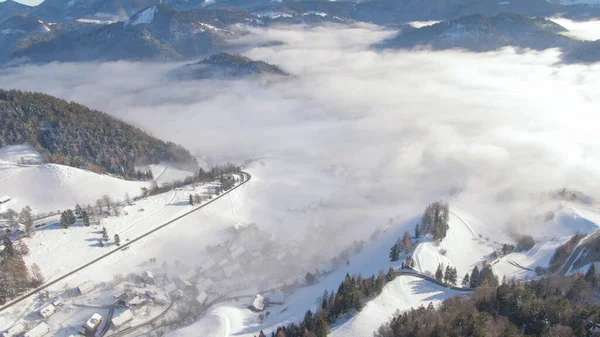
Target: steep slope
[
  {"x": 224, "y": 65},
  {"x": 588, "y": 53},
  {"x": 484, "y": 33},
  {"x": 20, "y": 31},
  {"x": 156, "y": 32},
  {"x": 71, "y": 134}
]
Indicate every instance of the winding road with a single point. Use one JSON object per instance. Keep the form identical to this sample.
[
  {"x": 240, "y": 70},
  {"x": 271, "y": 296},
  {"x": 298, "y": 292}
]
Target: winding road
[{"x": 123, "y": 246}]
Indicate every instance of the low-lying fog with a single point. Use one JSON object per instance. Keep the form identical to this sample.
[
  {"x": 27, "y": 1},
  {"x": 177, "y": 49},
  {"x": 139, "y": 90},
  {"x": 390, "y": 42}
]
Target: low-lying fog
[{"x": 359, "y": 136}]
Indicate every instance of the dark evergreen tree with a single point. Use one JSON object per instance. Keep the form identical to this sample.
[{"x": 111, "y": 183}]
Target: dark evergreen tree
[
  {"x": 474, "y": 279},
  {"x": 85, "y": 218},
  {"x": 104, "y": 234},
  {"x": 439, "y": 273},
  {"x": 395, "y": 252},
  {"x": 590, "y": 275},
  {"x": 191, "y": 200},
  {"x": 465, "y": 281},
  {"x": 78, "y": 211},
  {"x": 417, "y": 231},
  {"x": 64, "y": 220},
  {"x": 117, "y": 240}
]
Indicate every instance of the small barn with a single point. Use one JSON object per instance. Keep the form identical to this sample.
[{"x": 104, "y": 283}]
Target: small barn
[
  {"x": 257, "y": 303},
  {"x": 38, "y": 331},
  {"x": 148, "y": 277},
  {"x": 201, "y": 298},
  {"x": 120, "y": 320},
  {"x": 47, "y": 311},
  {"x": 86, "y": 287}
]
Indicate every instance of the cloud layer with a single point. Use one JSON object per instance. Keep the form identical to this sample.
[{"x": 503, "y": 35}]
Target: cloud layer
[{"x": 360, "y": 136}]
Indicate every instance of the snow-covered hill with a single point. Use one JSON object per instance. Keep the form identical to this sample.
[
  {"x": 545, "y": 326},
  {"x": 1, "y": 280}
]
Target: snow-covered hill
[{"x": 50, "y": 187}]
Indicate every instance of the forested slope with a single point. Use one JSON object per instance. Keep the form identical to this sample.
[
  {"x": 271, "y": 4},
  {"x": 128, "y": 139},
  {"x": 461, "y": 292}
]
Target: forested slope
[{"x": 71, "y": 134}]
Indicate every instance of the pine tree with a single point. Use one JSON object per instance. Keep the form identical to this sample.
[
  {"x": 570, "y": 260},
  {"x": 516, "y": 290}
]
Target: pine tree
[
  {"x": 191, "y": 200},
  {"x": 9, "y": 249},
  {"x": 37, "y": 278},
  {"x": 64, "y": 220},
  {"x": 78, "y": 211},
  {"x": 395, "y": 253},
  {"x": 465, "y": 281},
  {"x": 448, "y": 274},
  {"x": 321, "y": 326},
  {"x": 101, "y": 243},
  {"x": 417, "y": 231},
  {"x": 86, "y": 218},
  {"x": 590, "y": 275},
  {"x": 117, "y": 240},
  {"x": 475, "y": 280},
  {"x": 439, "y": 273},
  {"x": 104, "y": 234}
]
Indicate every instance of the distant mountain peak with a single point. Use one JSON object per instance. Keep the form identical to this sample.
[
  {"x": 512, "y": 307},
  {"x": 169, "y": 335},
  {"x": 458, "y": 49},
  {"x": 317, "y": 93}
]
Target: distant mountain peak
[
  {"x": 145, "y": 16},
  {"x": 228, "y": 66}
]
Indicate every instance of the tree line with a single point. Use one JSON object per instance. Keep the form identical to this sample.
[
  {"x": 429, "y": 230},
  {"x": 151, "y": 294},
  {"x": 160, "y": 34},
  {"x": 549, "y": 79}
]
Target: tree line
[
  {"x": 71, "y": 134},
  {"x": 350, "y": 297},
  {"x": 553, "y": 306}
]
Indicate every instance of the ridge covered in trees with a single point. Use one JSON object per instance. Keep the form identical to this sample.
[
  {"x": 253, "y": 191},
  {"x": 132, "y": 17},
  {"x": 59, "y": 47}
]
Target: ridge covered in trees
[
  {"x": 435, "y": 221},
  {"x": 71, "y": 134},
  {"x": 553, "y": 306}
]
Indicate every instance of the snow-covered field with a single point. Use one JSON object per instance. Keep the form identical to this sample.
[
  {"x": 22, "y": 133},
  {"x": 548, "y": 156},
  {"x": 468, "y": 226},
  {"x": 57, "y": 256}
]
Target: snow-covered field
[
  {"x": 165, "y": 173},
  {"x": 51, "y": 187}
]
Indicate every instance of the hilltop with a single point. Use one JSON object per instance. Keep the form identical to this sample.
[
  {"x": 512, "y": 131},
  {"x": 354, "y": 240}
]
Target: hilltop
[{"x": 71, "y": 134}]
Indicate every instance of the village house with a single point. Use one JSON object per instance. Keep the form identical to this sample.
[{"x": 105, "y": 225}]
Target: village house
[
  {"x": 120, "y": 320},
  {"x": 47, "y": 311},
  {"x": 257, "y": 303},
  {"x": 86, "y": 287},
  {"x": 148, "y": 277}
]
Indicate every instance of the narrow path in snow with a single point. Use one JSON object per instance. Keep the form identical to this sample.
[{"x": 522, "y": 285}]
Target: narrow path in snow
[
  {"x": 122, "y": 247},
  {"x": 466, "y": 224}
]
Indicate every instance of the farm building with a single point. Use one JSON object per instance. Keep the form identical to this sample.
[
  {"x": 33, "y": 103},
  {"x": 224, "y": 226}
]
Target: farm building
[
  {"x": 86, "y": 287},
  {"x": 201, "y": 298},
  {"x": 47, "y": 311},
  {"x": 15, "y": 330},
  {"x": 204, "y": 284},
  {"x": 40, "y": 330},
  {"x": 148, "y": 277},
  {"x": 257, "y": 303},
  {"x": 125, "y": 317}
]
